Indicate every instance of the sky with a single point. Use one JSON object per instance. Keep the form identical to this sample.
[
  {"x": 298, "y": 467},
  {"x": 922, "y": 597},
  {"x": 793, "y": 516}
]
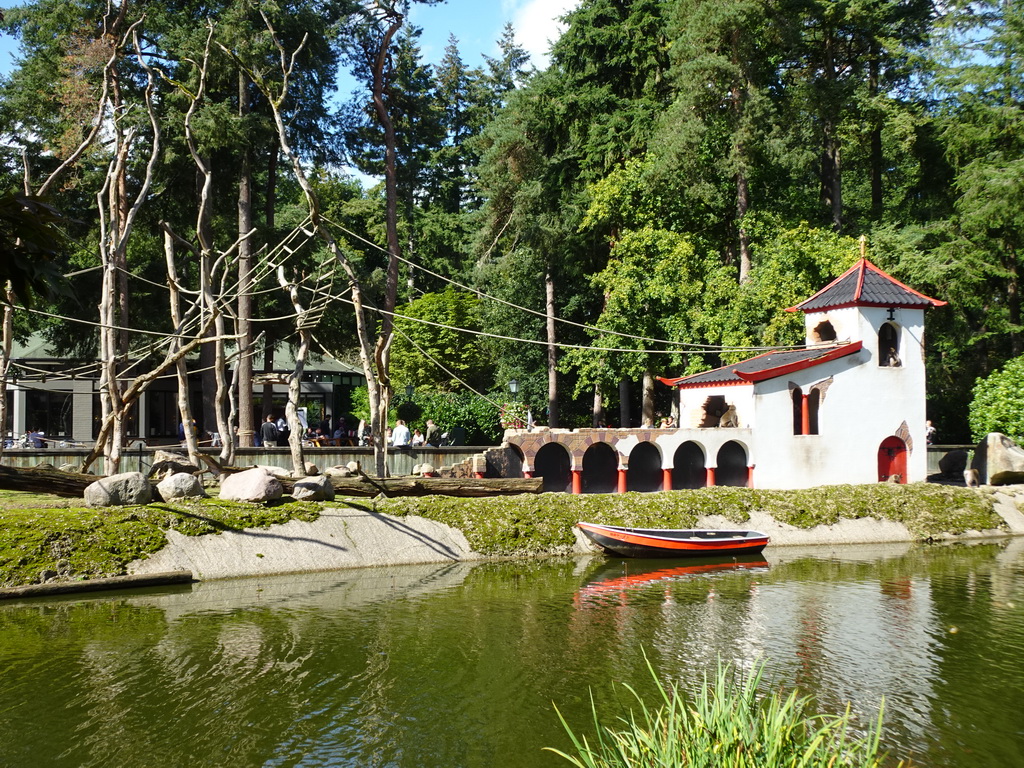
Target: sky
[{"x": 476, "y": 23}]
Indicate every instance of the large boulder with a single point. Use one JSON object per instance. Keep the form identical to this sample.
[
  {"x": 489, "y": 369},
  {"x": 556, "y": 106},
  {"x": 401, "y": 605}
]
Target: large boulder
[
  {"x": 164, "y": 461},
  {"x": 338, "y": 472},
  {"x": 999, "y": 460},
  {"x": 181, "y": 485},
  {"x": 253, "y": 485},
  {"x": 317, "y": 488},
  {"x": 119, "y": 490},
  {"x": 279, "y": 472}
]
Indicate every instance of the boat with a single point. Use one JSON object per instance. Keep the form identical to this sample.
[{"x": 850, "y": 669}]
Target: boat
[{"x": 672, "y": 542}]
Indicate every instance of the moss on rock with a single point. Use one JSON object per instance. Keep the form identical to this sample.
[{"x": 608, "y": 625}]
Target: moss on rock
[
  {"x": 527, "y": 525},
  {"x": 39, "y": 541}
]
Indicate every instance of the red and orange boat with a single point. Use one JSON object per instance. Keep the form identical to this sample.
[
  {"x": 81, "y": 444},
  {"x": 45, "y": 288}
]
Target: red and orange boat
[{"x": 671, "y": 542}]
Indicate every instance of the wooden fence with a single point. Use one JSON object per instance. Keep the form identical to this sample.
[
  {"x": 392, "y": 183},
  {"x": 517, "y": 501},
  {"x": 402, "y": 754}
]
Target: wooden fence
[{"x": 400, "y": 460}]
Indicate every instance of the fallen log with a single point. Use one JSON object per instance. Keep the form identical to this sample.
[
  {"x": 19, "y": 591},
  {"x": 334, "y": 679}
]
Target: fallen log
[
  {"x": 37, "y": 480},
  {"x": 427, "y": 486}
]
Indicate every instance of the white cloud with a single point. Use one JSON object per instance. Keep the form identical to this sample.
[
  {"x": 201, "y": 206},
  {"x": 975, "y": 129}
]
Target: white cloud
[{"x": 537, "y": 25}]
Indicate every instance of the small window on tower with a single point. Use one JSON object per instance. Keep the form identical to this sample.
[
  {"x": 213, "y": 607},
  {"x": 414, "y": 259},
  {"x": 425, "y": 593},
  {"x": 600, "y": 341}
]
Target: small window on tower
[
  {"x": 823, "y": 332},
  {"x": 888, "y": 346}
]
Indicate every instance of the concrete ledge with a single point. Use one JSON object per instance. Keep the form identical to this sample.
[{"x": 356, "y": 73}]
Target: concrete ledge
[{"x": 132, "y": 581}]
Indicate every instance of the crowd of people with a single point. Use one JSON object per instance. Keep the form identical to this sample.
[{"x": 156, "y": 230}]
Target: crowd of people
[{"x": 338, "y": 432}]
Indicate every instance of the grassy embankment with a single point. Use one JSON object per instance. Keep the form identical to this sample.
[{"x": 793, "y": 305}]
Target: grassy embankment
[{"x": 47, "y": 535}]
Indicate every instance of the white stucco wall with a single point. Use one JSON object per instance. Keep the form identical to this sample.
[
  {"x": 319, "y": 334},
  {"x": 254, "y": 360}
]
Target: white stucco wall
[{"x": 863, "y": 404}]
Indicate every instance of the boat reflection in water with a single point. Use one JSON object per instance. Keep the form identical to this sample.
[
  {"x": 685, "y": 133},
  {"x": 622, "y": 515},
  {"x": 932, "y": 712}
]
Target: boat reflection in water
[{"x": 618, "y": 579}]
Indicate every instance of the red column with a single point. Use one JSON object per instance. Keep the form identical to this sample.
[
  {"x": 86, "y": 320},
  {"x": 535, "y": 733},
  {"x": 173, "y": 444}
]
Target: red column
[
  {"x": 478, "y": 475},
  {"x": 622, "y": 485},
  {"x": 527, "y": 473},
  {"x": 750, "y": 476},
  {"x": 577, "y": 481},
  {"x": 711, "y": 477},
  {"x": 666, "y": 479},
  {"x": 805, "y": 416}
]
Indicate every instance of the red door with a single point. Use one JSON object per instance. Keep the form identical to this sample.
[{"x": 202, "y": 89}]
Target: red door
[{"x": 892, "y": 460}]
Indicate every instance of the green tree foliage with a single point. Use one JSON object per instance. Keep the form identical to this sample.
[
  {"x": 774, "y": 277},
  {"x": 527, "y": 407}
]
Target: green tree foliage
[
  {"x": 31, "y": 239},
  {"x": 429, "y": 353},
  {"x": 997, "y": 403},
  {"x": 652, "y": 287}
]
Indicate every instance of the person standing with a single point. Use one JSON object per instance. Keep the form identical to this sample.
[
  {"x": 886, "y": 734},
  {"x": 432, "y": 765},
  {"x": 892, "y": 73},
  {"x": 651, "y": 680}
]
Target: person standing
[
  {"x": 268, "y": 432},
  {"x": 401, "y": 436},
  {"x": 433, "y": 434}
]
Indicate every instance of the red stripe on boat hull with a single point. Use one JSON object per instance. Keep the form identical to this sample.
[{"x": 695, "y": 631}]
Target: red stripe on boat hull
[{"x": 634, "y": 543}]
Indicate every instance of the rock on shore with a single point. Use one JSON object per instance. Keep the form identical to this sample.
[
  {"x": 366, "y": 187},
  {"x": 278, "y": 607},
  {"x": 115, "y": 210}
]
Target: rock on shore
[
  {"x": 352, "y": 538},
  {"x": 341, "y": 538}
]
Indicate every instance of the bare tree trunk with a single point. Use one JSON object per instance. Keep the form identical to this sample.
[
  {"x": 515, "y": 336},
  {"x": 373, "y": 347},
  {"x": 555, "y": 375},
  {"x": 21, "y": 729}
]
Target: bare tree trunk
[
  {"x": 295, "y": 378},
  {"x": 877, "y": 158},
  {"x": 597, "y": 416},
  {"x": 549, "y": 303},
  {"x": 648, "y": 398},
  {"x": 246, "y": 427},
  {"x": 624, "y": 417},
  {"x": 180, "y": 369},
  {"x": 831, "y": 156},
  {"x": 742, "y": 206},
  {"x": 6, "y": 343},
  {"x": 382, "y": 349}
]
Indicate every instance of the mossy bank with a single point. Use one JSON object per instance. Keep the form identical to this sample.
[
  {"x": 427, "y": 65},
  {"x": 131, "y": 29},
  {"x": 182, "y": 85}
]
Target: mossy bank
[{"x": 44, "y": 538}]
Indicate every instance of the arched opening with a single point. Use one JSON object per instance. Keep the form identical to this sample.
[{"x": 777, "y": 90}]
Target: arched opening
[
  {"x": 600, "y": 469},
  {"x": 892, "y": 461},
  {"x": 688, "y": 470},
  {"x": 823, "y": 332},
  {"x": 732, "y": 465},
  {"x": 798, "y": 411},
  {"x": 644, "y": 472},
  {"x": 552, "y": 464},
  {"x": 512, "y": 461},
  {"x": 888, "y": 346},
  {"x": 813, "y": 402}
]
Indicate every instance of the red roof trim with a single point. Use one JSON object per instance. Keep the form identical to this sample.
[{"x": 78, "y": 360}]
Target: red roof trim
[
  {"x": 887, "y": 276},
  {"x": 782, "y": 370},
  {"x": 675, "y": 381},
  {"x": 862, "y": 265},
  {"x": 860, "y": 278}
]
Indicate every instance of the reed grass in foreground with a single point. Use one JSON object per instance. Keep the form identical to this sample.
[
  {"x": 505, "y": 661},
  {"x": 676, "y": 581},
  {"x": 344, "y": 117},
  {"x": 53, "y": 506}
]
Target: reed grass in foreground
[{"x": 726, "y": 723}]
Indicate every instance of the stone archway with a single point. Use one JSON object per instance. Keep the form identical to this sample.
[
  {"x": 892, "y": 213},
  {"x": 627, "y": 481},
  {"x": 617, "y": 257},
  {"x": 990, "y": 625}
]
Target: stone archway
[
  {"x": 732, "y": 465},
  {"x": 644, "y": 472},
  {"x": 552, "y": 464},
  {"x": 689, "y": 467},
  {"x": 600, "y": 469}
]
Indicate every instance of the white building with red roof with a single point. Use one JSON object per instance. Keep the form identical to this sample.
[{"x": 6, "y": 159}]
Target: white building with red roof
[{"x": 847, "y": 407}]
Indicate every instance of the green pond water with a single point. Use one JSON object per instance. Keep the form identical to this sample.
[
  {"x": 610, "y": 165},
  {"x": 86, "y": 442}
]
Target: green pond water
[{"x": 462, "y": 665}]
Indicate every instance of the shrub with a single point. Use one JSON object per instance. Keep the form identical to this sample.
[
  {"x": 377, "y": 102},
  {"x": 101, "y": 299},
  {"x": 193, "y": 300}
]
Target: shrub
[
  {"x": 997, "y": 403},
  {"x": 726, "y": 722}
]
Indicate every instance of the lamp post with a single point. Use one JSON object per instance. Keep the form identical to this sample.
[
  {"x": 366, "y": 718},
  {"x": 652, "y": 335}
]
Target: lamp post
[
  {"x": 409, "y": 389},
  {"x": 513, "y": 387}
]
